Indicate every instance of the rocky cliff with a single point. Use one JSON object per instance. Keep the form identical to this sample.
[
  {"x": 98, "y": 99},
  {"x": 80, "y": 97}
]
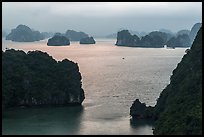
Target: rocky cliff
[
  {"x": 36, "y": 78},
  {"x": 58, "y": 40},
  {"x": 23, "y": 33},
  {"x": 87, "y": 40},
  {"x": 75, "y": 36},
  {"x": 194, "y": 31},
  {"x": 154, "y": 39},
  {"x": 124, "y": 38},
  {"x": 182, "y": 40},
  {"x": 157, "y": 39},
  {"x": 179, "y": 106}
]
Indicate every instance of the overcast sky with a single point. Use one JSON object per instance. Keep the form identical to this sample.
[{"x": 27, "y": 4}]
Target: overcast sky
[{"x": 101, "y": 18}]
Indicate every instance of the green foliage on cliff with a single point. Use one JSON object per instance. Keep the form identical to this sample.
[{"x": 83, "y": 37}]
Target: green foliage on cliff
[
  {"x": 179, "y": 107},
  {"x": 36, "y": 78}
]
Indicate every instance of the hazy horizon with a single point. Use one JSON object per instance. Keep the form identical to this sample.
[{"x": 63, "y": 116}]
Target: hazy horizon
[{"x": 101, "y": 18}]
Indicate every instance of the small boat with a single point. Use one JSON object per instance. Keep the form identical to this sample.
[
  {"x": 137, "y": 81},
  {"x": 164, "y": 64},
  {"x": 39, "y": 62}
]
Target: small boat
[{"x": 165, "y": 46}]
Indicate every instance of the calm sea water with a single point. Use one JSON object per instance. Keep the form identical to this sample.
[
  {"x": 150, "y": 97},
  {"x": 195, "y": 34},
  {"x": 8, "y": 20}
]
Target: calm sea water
[{"x": 111, "y": 84}]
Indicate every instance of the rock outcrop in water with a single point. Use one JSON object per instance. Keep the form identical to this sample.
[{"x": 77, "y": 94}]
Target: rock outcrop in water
[
  {"x": 184, "y": 38},
  {"x": 154, "y": 39},
  {"x": 139, "y": 110},
  {"x": 179, "y": 107},
  {"x": 87, "y": 40},
  {"x": 58, "y": 40},
  {"x": 23, "y": 33},
  {"x": 124, "y": 38},
  {"x": 179, "y": 41},
  {"x": 157, "y": 39},
  {"x": 35, "y": 79},
  {"x": 75, "y": 36},
  {"x": 139, "y": 34}
]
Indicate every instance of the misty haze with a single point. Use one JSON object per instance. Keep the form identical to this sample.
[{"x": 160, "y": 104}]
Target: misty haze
[
  {"x": 101, "y": 18},
  {"x": 101, "y": 68}
]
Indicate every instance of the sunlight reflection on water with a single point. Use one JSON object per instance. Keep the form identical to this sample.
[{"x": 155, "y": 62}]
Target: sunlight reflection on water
[{"x": 112, "y": 78}]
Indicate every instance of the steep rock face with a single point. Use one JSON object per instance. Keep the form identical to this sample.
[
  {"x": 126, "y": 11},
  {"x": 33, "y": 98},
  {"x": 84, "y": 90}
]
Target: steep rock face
[
  {"x": 75, "y": 36},
  {"x": 139, "y": 110},
  {"x": 181, "y": 32},
  {"x": 87, "y": 40},
  {"x": 179, "y": 41},
  {"x": 168, "y": 33},
  {"x": 23, "y": 33},
  {"x": 58, "y": 40},
  {"x": 179, "y": 106},
  {"x": 154, "y": 39},
  {"x": 36, "y": 78},
  {"x": 124, "y": 38},
  {"x": 194, "y": 31}
]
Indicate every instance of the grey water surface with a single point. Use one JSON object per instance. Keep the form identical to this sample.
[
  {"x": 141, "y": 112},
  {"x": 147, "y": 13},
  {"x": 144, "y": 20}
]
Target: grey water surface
[{"x": 112, "y": 78}]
